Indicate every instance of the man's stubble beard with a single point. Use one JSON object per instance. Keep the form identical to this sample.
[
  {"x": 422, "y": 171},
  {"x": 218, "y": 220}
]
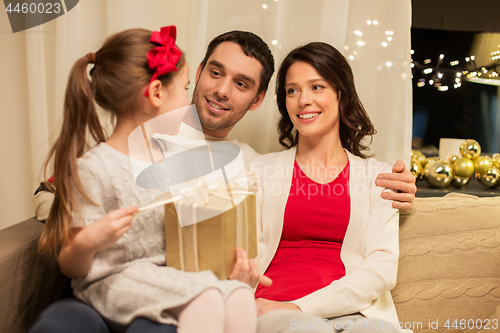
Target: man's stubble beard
[{"x": 211, "y": 123}]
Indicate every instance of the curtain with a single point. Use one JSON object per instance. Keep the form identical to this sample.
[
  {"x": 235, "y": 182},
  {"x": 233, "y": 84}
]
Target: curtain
[{"x": 35, "y": 65}]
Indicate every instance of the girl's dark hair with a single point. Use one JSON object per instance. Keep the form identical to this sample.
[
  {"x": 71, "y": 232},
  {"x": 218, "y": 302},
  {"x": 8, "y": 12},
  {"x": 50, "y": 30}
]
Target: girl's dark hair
[
  {"x": 333, "y": 67},
  {"x": 119, "y": 74}
]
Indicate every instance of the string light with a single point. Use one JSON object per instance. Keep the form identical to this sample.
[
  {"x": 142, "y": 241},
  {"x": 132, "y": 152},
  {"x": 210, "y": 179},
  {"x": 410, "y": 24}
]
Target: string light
[
  {"x": 264, "y": 6},
  {"x": 369, "y": 22},
  {"x": 275, "y": 42},
  {"x": 384, "y": 44},
  {"x": 361, "y": 43},
  {"x": 439, "y": 75},
  {"x": 375, "y": 22},
  {"x": 359, "y": 33}
]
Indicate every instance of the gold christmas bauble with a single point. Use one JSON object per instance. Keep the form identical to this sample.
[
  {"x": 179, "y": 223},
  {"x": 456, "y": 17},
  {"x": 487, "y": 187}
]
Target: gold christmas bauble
[
  {"x": 438, "y": 174},
  {"x": 496, "y": 160},
  {"x": 463, "y": 167},
  {"x": 418, "y": 156},
  {"x": 482, "y": 164},
  {"x": 470, "y": 149},
  {"x": 490, "y": 178},
  {"x": 452, "y": 159},
  {"x": 460, "y": 181},
  {"x": 430, "y": 160},
  {"x": 415, "y": 168}
]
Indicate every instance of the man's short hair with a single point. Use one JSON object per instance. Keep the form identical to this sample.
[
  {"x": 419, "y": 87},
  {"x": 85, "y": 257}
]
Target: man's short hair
[{"x": 253, "y": 46}]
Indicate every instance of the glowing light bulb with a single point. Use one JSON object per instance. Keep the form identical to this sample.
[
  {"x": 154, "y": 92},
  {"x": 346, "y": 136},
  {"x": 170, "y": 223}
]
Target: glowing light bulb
[
  {"x": 440, "y": 75},
  {"x": 369, "y": 22},
  {"x": 441, "y": 56},
  {"x": 467, "y": 59},
  {"x": 359, "y": 33},
  {"x": 275, "y": 42},
  {"x": 389, "y": 38},
  {"x": 384, "y": 44},
  {"x": 427, "y": 61},
  {"x": 351, "y": 57},
  {"x": 427, "y": 70},
  {"x": 412, "y": 51},
  {"x": 431, "y": 82},
  {"x": 375, "y": 22},
  {"x": 264, "y": 6},
  {"x": 388, "y": 64},
  {"x": 472, "y": 57},
  {"x": 361, "y": 43},
  {"x": 459, "y": 74},
  {"x": 346, "y": 47}
]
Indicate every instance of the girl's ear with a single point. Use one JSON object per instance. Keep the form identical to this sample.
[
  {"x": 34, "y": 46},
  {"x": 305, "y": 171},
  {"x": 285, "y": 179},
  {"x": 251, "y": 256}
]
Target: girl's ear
[{"x": 155, "y": 93}]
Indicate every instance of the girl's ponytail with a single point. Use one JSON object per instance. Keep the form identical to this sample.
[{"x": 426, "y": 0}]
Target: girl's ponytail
[{"x": 79, "y": 116}]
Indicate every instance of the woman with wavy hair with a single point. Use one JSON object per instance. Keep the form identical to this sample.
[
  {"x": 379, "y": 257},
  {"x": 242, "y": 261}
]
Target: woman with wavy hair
[{"x": 328, "y": 240}]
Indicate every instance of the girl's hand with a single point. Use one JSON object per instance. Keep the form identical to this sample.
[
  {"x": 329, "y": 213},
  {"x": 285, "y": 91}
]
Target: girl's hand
[
  {"x": 264, "y": 306},
  {"x": 245, "y": 270},
  {"x": 106, "y": 231},
  {"x": 77, "y": 254}
]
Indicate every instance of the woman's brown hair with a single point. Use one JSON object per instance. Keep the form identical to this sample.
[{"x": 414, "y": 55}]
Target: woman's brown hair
[
  {"x": 333, "y": 67},
  {"x": 119, "y": 74}
]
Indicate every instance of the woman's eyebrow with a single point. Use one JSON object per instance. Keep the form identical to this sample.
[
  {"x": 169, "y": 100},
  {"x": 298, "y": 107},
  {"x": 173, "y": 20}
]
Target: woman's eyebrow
[{"x": 310, "y": 81}]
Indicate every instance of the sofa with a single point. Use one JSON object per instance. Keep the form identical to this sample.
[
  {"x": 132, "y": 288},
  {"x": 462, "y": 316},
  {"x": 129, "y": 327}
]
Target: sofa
[{"x": 448, "y": 278}]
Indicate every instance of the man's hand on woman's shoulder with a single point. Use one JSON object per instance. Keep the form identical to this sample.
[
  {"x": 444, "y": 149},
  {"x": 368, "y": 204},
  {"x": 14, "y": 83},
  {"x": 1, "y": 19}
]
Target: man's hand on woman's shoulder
[{"x": 400, "y": 180}]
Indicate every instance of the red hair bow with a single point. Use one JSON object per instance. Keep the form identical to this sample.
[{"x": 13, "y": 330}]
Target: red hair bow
[{"x": 163, "y": 58}]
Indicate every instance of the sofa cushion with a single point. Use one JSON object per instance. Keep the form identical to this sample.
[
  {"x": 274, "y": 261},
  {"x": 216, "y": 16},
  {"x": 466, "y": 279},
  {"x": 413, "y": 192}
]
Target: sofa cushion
[
  {"x": 28, "y": 281},
  {"x": 449, "y": 266}
]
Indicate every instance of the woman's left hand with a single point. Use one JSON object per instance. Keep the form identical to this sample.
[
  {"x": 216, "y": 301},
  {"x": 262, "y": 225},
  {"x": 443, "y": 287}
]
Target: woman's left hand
[{"x": 264, "y": 306}]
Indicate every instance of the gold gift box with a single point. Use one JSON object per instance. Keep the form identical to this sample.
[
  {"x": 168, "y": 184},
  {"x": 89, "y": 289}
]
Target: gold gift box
[{"x": 211, "y": 244}]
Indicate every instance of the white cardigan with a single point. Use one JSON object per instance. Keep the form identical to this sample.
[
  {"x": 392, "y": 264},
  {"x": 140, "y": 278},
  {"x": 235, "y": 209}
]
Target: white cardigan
[{"x": 370, "y": 249}]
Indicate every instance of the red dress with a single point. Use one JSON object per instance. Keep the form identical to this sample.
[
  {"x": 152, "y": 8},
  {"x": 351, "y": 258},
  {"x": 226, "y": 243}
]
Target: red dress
[{"x": 314, "y": 225}]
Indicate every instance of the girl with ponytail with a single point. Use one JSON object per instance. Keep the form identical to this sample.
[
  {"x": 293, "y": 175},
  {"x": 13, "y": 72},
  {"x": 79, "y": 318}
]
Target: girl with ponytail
[{"x": 117, "y": 263}]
